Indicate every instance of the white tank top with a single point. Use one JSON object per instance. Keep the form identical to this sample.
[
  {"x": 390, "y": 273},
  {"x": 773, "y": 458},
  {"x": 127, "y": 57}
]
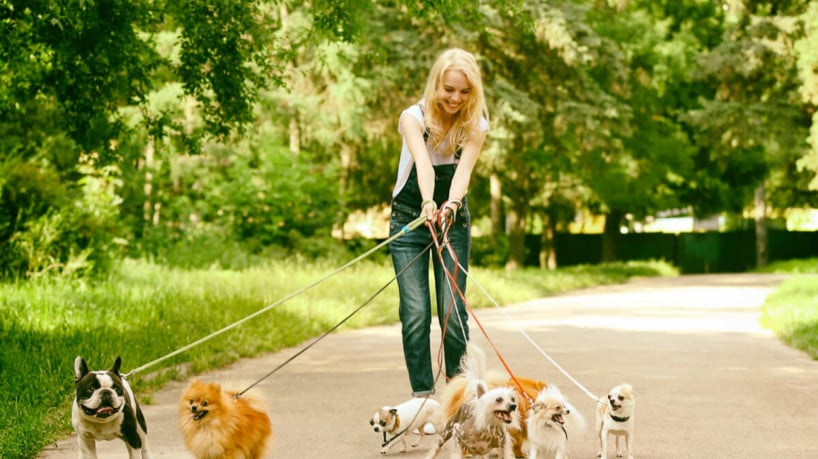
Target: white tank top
[{"x": 435, "y": 154}]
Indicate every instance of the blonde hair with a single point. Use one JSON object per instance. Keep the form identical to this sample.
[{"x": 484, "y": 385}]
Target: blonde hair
[{"x": 467, "y": 121}]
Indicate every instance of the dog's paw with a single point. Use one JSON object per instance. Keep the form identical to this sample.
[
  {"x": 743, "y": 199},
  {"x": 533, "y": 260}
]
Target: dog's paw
[{"x": 619, "y": 454}]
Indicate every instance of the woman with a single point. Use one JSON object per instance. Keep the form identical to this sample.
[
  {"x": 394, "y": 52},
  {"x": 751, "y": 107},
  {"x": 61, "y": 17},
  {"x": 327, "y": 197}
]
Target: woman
[{"x": 442, "y": 138}]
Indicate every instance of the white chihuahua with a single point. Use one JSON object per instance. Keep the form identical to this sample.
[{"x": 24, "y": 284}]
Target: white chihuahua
[{"x": 616, "y": 418}]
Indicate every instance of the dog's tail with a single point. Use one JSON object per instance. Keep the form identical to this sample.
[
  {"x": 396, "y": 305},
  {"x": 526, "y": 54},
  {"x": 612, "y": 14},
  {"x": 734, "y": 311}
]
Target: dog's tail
[{"x": 473, "y": 363}]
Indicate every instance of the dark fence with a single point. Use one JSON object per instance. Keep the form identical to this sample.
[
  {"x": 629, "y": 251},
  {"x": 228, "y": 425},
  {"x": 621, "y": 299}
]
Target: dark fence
[{"x": 691, "y": 252}]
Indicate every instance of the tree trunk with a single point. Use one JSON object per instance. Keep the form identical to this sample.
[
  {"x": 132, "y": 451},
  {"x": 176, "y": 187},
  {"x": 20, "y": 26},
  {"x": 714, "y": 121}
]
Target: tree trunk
[
  {"x": 761, "y": 226},
  {"x": 294, "y": 128},
  {"x": 150, "y": 211},
  {"x": 609, "y": 237},
  {"x": 516, "y": 238},
  {"x": 496, "y": 188},
  {"x": 548, "y": 253}
]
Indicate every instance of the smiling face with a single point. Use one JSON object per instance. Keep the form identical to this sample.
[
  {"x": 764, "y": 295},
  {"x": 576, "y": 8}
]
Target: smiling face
[{"x": 453, "y": 92}]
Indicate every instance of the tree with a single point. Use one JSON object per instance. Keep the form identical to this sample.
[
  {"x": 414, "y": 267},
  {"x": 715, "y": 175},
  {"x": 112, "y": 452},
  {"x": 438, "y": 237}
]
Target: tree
[{"x": 754, "y": 125}]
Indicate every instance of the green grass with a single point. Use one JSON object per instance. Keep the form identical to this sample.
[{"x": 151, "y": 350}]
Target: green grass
[
  {"x": 791, "y": 312},
  {"x": 146, "y": 311}
]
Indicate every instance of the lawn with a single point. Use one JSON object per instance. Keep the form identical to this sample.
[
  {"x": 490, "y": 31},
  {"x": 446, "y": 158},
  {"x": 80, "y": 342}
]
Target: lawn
[{"x": 791, "y": 312}]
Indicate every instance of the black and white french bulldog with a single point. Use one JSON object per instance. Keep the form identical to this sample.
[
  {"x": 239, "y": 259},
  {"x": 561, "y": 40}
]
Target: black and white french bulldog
[{"x": 105, "y": 409}]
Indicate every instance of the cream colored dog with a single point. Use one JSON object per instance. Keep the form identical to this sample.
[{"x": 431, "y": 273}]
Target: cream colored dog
[
  {"x": 616, "y": 418},
  {"x": 549, "y": 420}
]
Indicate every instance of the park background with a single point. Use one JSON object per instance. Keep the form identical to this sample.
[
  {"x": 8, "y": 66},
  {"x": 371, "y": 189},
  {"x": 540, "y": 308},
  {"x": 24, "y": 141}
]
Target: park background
[{"x": 164, "y": 160}]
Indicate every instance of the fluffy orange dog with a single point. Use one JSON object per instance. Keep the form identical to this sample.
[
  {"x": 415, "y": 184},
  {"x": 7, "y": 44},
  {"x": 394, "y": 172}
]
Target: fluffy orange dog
[
  {"x": 530, "y": 389},
  {"x": 218, "y": 426}
]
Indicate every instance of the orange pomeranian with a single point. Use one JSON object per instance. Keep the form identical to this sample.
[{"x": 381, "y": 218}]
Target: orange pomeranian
[{"x": 216, "y": 425}]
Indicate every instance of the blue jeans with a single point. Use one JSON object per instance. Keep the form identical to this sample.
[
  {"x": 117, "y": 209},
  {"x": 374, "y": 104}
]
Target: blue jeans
[{"x": 415, "y": 308}]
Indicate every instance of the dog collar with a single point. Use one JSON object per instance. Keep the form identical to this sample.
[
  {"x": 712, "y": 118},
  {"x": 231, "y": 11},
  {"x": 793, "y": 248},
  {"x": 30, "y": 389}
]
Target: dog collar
[
  {"x": 561, "y": 427},
  {"x": 618, "y": 419},
  {"x": 394, "y": 429}
]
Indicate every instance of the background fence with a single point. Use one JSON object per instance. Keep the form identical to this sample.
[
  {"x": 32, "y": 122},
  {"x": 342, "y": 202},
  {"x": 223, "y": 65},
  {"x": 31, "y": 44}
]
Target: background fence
[{"x": 709, "y": 252}]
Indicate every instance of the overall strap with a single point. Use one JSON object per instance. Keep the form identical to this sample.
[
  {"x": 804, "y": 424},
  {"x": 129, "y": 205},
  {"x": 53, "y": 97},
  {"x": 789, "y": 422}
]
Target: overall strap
[{"x": 457, "y": 152}]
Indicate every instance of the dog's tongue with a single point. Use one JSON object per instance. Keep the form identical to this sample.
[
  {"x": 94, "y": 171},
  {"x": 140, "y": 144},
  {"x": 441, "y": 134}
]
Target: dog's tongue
[
  {"x": 504, "y": 416},
  {"x": 104, "y": 412}
]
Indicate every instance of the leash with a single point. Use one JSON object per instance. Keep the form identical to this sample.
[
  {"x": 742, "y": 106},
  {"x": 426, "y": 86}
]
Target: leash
[
  {"x": 534, "y": 343},
  {"x": 405, "y": 230},
  {"x": 335, "y": 327},
  {"x": 452, "y": 282}
]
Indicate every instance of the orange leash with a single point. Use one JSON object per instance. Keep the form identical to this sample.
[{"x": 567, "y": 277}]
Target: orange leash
[{"x": 452, "y": 281}]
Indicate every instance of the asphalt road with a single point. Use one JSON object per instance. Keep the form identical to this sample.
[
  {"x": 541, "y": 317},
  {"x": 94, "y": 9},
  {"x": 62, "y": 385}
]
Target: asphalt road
[{"x": 711, "y": 383}]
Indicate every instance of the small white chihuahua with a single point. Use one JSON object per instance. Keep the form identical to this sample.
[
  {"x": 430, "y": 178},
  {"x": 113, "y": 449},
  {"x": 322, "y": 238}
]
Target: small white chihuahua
[
  {"x": 616, "y": 417},
  {"x": 414, "y": 414}
]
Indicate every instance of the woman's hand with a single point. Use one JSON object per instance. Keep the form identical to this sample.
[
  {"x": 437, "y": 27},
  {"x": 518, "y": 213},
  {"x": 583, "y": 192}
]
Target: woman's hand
[
  {"x": 428, "y": 208},
  {"x": 448, "y": 213}
]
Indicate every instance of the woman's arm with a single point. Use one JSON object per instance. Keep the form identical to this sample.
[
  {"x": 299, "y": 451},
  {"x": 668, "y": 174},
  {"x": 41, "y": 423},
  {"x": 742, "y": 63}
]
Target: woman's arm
[
  {"x": 463, "y": 172},
  {"x": 413, "y": 134}
]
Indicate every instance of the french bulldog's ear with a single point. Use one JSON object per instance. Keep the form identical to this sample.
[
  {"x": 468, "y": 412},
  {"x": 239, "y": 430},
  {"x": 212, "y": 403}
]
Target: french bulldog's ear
[
  {"x": 117, "y": 364},
  {"x": 393, "y": 411},
  {"x": 80, "y": 368}
]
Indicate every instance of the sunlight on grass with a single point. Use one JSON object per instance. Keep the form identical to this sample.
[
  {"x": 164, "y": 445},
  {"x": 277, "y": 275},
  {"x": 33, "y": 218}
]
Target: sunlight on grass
[{"x": 792, "y": 311}]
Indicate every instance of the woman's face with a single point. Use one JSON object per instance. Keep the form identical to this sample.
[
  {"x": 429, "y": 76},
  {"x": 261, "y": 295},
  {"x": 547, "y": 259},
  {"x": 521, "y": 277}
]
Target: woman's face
[{"x": 454, "y": 92}]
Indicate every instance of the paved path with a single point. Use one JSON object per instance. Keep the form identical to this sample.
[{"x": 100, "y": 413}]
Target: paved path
[{"x": 711, "y": 383}]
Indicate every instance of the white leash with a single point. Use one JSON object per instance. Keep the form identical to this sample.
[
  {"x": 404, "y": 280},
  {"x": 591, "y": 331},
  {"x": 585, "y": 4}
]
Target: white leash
[{"x": 530, "y": 340}]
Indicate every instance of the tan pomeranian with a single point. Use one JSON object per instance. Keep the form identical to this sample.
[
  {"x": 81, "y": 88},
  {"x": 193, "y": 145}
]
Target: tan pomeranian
[
  {"x": 217, "y": 425},
  {"x": 548, "y": 423}
]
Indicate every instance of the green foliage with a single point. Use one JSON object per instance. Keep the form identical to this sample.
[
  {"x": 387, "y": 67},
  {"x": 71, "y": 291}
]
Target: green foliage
[
  {"x": 258, "y": 126},
  {"x": 248, "y": 196},
  {"x": 47, "y": 227},
  {"x": 489, "y": 251},
  {"x": 222, "y": 59}
]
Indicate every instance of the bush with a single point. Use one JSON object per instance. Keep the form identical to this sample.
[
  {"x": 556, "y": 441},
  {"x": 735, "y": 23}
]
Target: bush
[{"x": 51, "y": 226}]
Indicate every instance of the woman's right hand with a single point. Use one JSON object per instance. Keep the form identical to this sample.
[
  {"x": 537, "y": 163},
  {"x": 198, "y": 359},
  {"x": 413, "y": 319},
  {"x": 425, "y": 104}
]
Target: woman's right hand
[{"x": 428, "y": 208}]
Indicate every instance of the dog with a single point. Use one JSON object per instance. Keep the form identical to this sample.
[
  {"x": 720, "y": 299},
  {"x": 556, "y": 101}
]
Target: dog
[
  {"x": 527, "y": 390},
  {"x": 105, "y": 408},
  {"x": 548, "y": 422},
  {"x": 477, "y": 417},
  {"x": 216, "y": 424},
  {"x": 403, "y": 419},
  {"x": 616, "y": 417}
]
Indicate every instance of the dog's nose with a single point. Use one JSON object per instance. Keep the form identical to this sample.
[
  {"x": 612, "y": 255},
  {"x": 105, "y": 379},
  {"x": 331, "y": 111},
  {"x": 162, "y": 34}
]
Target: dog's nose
[{"x": 512, "y": 407}]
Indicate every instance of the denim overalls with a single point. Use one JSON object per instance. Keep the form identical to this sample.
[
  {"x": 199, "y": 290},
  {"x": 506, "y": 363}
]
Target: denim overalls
[{"x": 415, "y": 308}]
